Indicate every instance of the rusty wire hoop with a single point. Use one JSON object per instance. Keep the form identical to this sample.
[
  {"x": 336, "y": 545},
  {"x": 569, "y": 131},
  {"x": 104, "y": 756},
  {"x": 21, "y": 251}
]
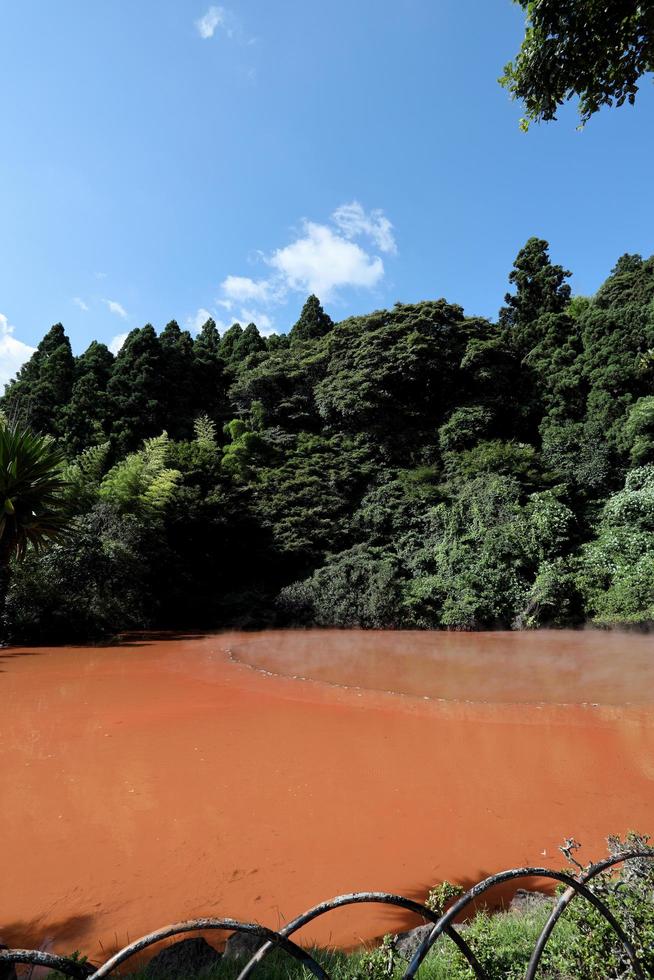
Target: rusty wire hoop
[
  {"x": 565, "y": 900},
  {"x": 354, "y": 898},
  {"x": 38, "y": 957},
  {"x": 497, "y": 879},
  {"x": 195, "y": 925},
  {"x": 72, "y": 969}
]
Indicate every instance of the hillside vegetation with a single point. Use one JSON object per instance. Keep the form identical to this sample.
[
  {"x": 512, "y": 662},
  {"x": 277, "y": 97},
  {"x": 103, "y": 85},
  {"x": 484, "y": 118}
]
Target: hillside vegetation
[{"x": 414, "y": 467}]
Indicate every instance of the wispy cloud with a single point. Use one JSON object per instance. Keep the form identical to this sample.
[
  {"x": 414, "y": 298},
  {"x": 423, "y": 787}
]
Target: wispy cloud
[
  {"x": 264, "y": 322},
  {"x": 116, "y": 308},
  {"x": 197, "y": 321},
  {"x": 353, "y": 221},
  {"x": 240, "y": 314},
  {"x": 323, "y": 259},
  {"x": 13, "y": 353},
  {"x": 241, "y": 289},
  {"x": 117, "y": 342},
  {"x": 100, "y": 275},
  {"x": 81, "y": 304},
  {"x": 207, "y": 24}
]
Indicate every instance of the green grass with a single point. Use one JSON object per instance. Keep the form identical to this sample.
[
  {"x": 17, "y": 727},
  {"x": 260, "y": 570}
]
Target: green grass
[
  {"x": 503, "y": 943},
  {"x": 582, "y": 945}
]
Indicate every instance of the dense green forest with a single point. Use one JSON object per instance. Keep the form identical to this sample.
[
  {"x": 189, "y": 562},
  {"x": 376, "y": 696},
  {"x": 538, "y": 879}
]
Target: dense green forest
[{"x": 410, "y": 468}]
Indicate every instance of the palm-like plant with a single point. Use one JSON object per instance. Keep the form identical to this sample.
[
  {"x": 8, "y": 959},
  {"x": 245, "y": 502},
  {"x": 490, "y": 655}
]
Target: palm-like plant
[{"x": 33, "y": 512}]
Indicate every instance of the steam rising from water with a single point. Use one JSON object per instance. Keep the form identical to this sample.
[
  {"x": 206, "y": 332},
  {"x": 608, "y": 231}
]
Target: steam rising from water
[{"x": 548, "y": 666}]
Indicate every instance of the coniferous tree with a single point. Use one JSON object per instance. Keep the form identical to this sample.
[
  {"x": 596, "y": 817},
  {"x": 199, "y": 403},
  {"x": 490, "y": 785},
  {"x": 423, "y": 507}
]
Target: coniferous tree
[
  {"x": 43, "y": 386},
  {"x": 207, "y": 340},
  {"x": 541, "y": 294},
  {"x": 85, "y": 417},
  {"x": 313, "y": 322},
  {"x": 540, "y": 288},
  {"x": 19, "y": 392},
  {"x": 228, "y": 343},
  {"x": 250, "y": 342},
  {"x": 136, "y": 391},
  {"x": 209, "y": 384},
  {"x": 177, "y": 365}
]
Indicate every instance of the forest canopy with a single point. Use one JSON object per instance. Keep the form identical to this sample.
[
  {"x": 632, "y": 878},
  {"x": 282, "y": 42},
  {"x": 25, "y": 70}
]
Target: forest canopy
[{"x": 415, "y": 467}]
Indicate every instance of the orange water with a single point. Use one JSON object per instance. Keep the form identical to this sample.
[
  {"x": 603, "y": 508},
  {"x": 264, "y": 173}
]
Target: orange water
[{"x": 165, "y": 778}]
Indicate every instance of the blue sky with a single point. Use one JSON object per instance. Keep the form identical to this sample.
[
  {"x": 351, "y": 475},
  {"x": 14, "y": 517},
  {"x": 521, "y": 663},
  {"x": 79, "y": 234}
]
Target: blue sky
[{"x": 172, "y": 159}]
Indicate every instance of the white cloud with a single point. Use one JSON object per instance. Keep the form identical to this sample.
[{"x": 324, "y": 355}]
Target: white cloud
[
  {"x": 197, "y": 321},
  {"x": 207, "y": 24},
  {"x": 240, "y": 289},
  {"x": 80, "y": 302},
  {"x": 115, "y": 308},
  {"x": 118, "y": 342},
  {"x": 322, "y": 261},
  {"x": 13, "y": 353},
  {"x": 262, "y": 320},
  {"x": 100, "y": 275},
  {"x": 352, "y": 221}
]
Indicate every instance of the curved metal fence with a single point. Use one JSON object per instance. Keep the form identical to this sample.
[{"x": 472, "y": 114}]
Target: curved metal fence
[{"x": 577, "y": 886}]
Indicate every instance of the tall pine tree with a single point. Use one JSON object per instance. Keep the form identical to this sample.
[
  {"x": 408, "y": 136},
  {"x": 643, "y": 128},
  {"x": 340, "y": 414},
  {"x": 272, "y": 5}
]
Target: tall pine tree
[
  {"x": 250, "y": 342},
  {"x": 86, "y": 416},
  {"x": 540, "y": 287},
  {"x": 228, "y": 343},
  {"x": 137, "y": 394},
  {"x": 209, "y": 384},
  {"x": 177, "y": 364},
  {"x": 42, "y": 388},
  {"x": 313, "y": 322}
]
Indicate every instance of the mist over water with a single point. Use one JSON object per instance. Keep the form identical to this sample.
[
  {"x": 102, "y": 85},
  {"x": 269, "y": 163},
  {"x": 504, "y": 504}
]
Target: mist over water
[{"x": 548, "y": 666}]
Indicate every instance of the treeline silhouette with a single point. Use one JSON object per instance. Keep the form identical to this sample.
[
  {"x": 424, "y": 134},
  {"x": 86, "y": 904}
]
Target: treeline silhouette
[{"x": 410, "y": 468}]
